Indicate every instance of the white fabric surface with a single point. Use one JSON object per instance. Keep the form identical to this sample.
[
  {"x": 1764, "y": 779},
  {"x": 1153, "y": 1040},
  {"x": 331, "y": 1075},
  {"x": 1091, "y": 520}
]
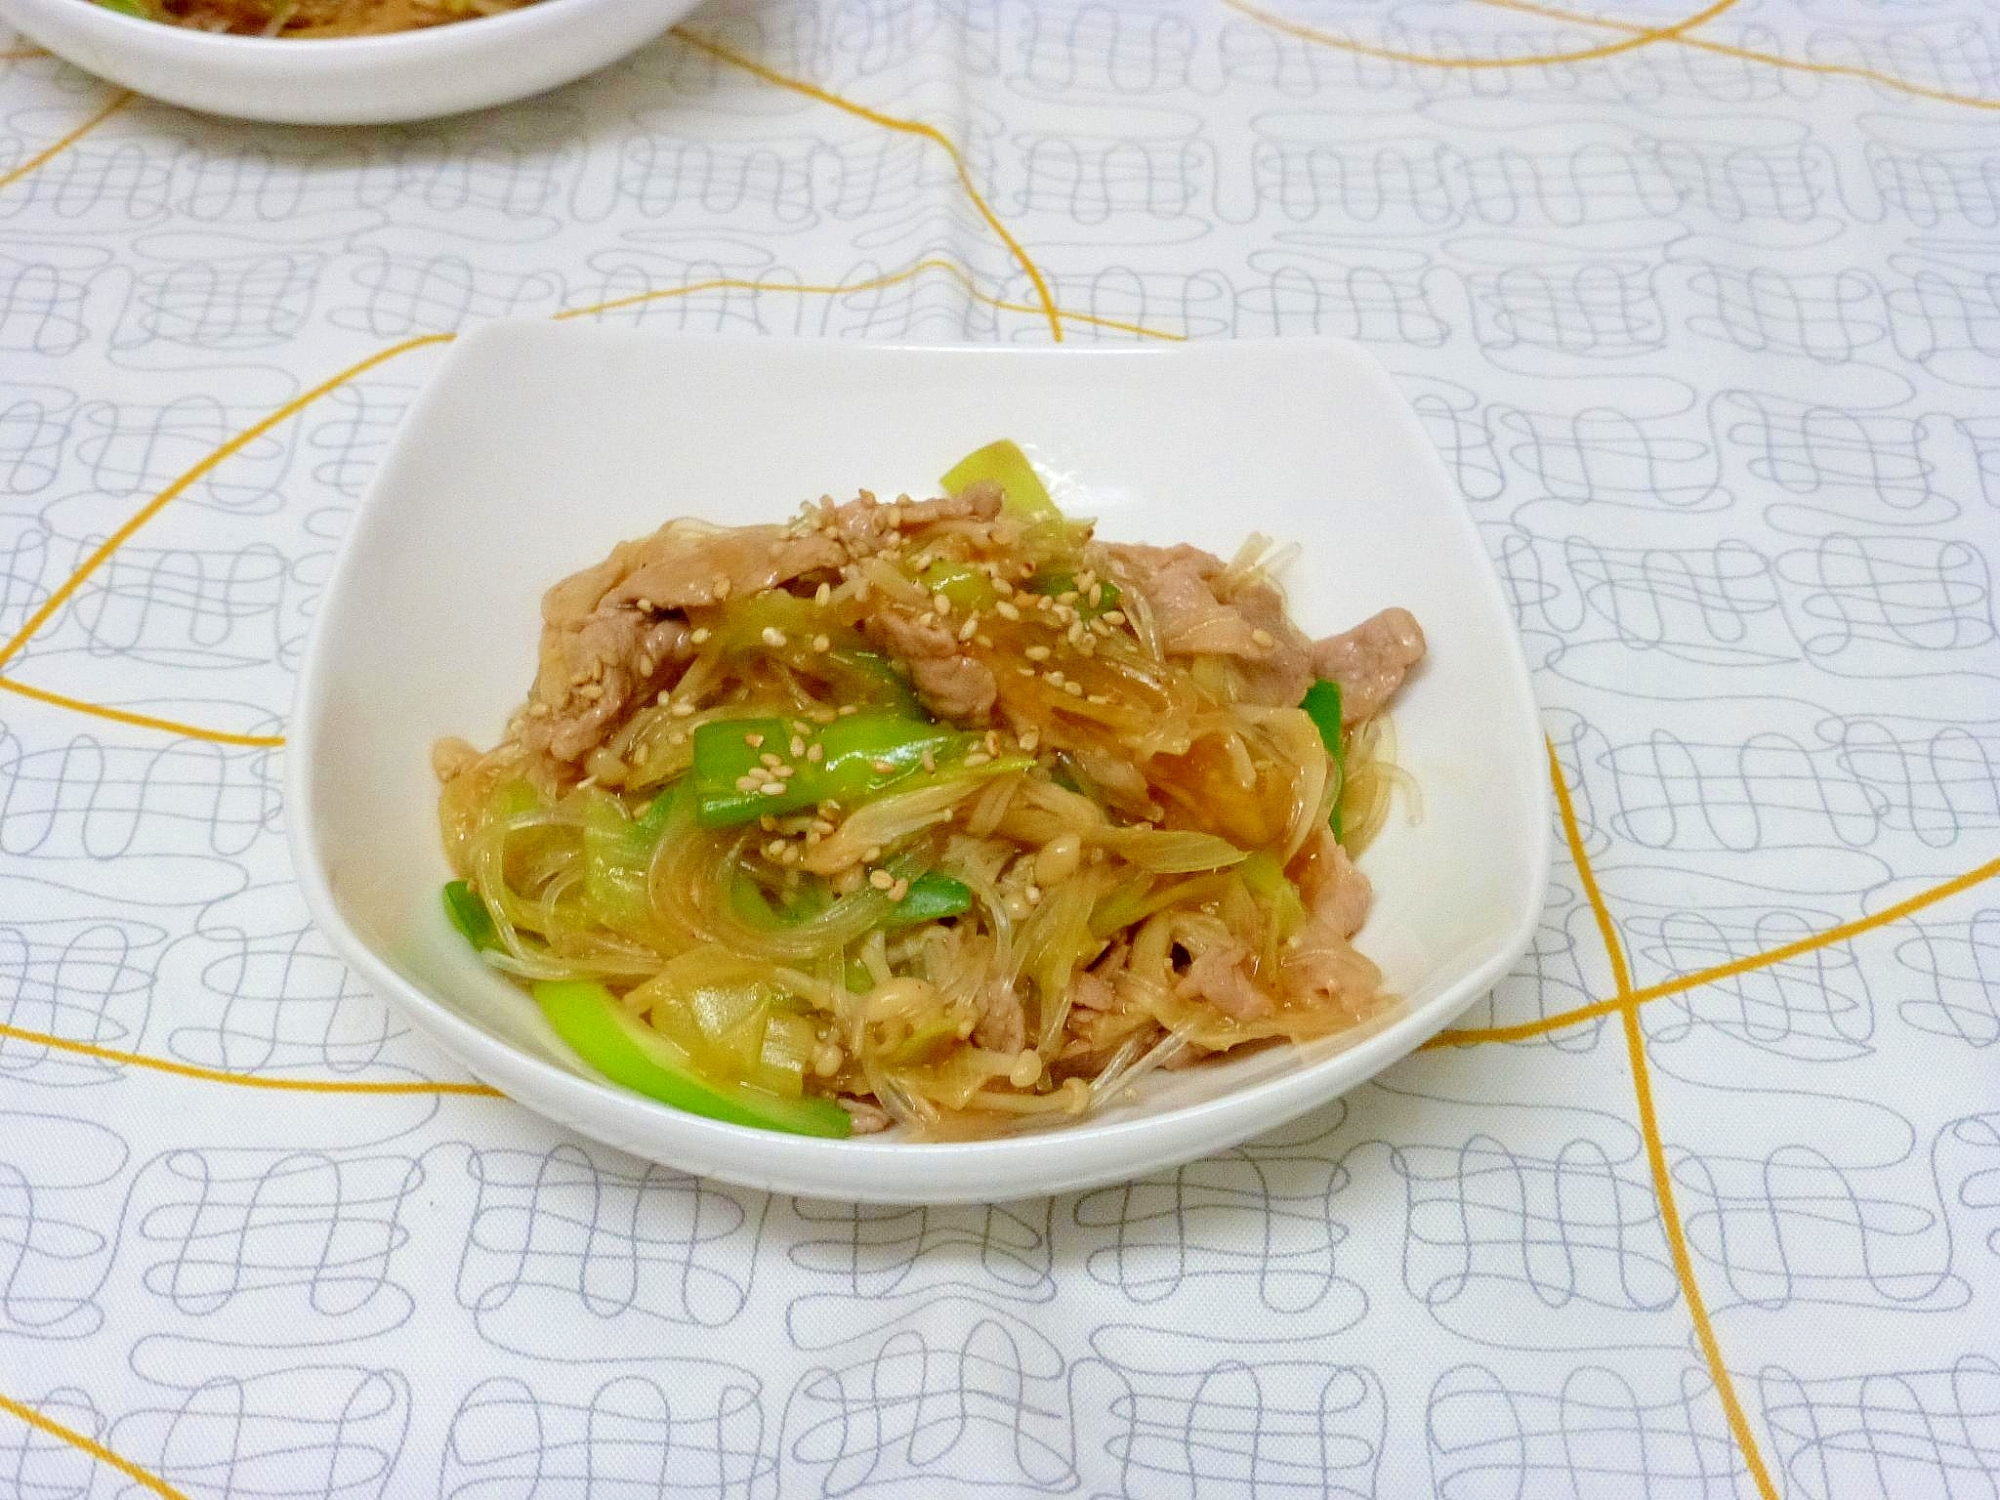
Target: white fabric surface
[{"x": 1709, "y": 340}]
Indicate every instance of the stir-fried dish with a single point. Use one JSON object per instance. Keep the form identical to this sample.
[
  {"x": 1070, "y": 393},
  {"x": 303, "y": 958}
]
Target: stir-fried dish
[
  {"x": 940, "y": 813},
  {"x": 309, "y": 18}
]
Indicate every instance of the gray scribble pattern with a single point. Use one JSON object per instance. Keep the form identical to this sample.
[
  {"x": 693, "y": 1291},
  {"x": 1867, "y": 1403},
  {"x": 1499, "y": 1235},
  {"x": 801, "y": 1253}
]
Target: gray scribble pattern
[{"x": 1709, "y": 342}]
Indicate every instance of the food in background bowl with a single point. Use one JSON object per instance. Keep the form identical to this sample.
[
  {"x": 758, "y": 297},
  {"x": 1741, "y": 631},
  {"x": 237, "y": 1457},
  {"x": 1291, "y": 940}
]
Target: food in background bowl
[
  {"x": 937, "y": 813},
  {"x": 309, "y": 18}
]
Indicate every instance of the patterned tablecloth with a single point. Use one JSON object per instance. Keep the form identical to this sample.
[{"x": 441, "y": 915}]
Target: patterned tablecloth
[{"x": 1703, "y": 310}]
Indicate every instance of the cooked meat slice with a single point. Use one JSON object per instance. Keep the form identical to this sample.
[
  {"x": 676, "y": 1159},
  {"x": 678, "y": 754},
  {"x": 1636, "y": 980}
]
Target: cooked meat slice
[
  {"x": 592, "y": 671},
  {"x": 869, "y": 1117},
  {"x": 451, "y": 756},
  {"x": 863, "y": 525},
  {"x": 1370, "y": 661},
  {"x": 685, "y": 564},
  {"x": 955, "y": 687},
  {"x": 1200, "y": 608},
  {"x": 1221, "y": 976},
  {"x": 1190, "y": 619},
  {"x": 1003, "y": 1024},
  {"x": 907, "y": 635},
  {"x": 605, "y": 638},
  {"x": 1092, "y": 992},
  {"x": 1319, "y": 966},
  {"x": 1277, "y": 673},
  {"x": 1122, "y": 784},
  {"x": 1334, "y": 891},
  {"x": 952, "y": 685}
]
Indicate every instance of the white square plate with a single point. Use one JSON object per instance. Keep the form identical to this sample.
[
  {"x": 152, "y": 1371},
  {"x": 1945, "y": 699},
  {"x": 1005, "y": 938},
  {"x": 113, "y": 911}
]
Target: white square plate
[{"x": 539, "y": 445}]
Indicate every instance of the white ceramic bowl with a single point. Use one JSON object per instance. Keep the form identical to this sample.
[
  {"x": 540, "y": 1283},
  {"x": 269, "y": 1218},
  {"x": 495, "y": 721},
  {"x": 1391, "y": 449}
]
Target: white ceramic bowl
[
  {"x": 539, "y": 445},
  {"x": 373, "y": 80}
]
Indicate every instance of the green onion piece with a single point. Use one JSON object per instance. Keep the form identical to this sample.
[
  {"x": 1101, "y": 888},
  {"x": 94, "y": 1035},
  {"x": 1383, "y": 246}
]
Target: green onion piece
[
  {"x": 859, "y": 757},
  {"x": 634, "y": 1055},
  {"x": 1022, "y": 492},
  {"x": 1322, "y": 706},
  {"x": 964, "y": 585},
  {"x": 932, "y": 895},
  {"x": 869, "y": 679},
  {"x": 927, "y": 1038},
  {"x": 469, "y": 915}
]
